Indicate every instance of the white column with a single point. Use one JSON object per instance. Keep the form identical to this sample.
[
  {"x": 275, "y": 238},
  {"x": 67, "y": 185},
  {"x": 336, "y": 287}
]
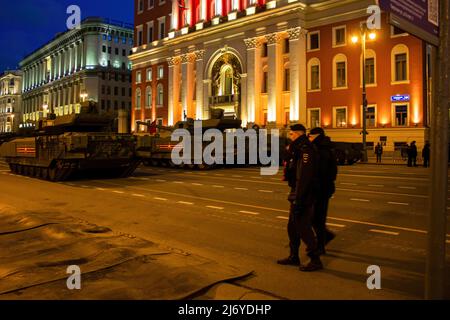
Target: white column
[
  {"x": 243, "y": 95},
  {"x": 203, "y": 9},
  {"x": 274, "y": 78},
  {"x": 175, "y": 16},
  {"x": 253, "y": 80},
  {"x": 82, "y": 56},
  {"x": 199, "y": 83},
  {"x": 76, "y": 57},
  {"x": 294, "y": 73},
  {"x": 187, "y": 70},
  {"x": 174, "y": 114}
]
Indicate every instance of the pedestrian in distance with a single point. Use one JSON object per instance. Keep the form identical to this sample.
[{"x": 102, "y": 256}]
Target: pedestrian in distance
[
  {"x": 327, "y": 177},
  {"x": 426, "y": 155},
  {"x": 413, "y": 154},
  {"x": 378, "y": 152},
  {"x": 301, "y": 174}
]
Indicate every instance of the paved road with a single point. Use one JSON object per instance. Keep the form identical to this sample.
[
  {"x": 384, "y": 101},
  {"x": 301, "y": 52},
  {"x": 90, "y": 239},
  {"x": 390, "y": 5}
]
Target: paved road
[{"x": 238, "y": 217}]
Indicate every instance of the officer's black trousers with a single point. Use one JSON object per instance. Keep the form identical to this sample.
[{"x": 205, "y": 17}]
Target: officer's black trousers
[
  {"x": 320, "y": 219},
  {"x": 300, "y": 228}
]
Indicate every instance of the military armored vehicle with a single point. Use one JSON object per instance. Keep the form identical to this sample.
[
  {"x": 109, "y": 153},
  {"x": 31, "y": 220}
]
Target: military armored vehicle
[
  {"x": 69, "y": 144},
  {"x": 155, "y": 149}
]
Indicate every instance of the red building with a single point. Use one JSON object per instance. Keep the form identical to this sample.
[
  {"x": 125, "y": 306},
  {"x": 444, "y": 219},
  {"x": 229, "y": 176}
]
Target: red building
[{"x": 278, "y": 62}]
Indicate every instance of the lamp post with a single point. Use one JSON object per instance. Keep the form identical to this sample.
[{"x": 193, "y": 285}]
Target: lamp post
[{"x": 365, "y": 32}]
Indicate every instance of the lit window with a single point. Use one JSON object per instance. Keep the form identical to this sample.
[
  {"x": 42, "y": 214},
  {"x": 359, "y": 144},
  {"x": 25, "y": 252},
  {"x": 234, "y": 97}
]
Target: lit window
[
  {"x": 138, "y": 77},
  {"x": 370, "y": 116},
  {"x": 148, "y": 98},
  {"x": 401, "y": 115},
  {"x": 314, "y": 118},
  {"x": 340, "y": 71},
  {"x": 149, "y": 74},
  {"x": 400, "y": 67},
  {"x": 314, "y": 74},
  {"x": 160, "y": 96},
  {"x": 160, "y": 72},
  {"x": 138, "y": 99},
  {"x": 400, "y": 64},
  {"x": 339, "y": 36},
  {"x": 340, "y": 117},
  {"x": 314, "y": 40}
]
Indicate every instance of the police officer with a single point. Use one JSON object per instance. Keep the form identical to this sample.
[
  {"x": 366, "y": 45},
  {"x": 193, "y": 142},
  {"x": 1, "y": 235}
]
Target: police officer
[
  {"x": 301, "y": 175},
  {"x": 327, "y": 177}
]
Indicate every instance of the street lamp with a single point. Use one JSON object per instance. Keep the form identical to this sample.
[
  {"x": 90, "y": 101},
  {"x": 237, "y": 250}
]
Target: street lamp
[{"x": 365, "y": 33}]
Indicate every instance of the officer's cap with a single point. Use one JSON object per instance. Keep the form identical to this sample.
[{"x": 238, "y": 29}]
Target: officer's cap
[
  {"x": 317, "y": 130},
  {"x": 298, "y": 127}
]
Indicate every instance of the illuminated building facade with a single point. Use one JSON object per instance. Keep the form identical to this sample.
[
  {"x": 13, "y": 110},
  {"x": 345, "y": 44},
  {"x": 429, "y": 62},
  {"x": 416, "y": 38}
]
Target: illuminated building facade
[
  {"x": 10, "y": 101},
  {"x": 273, "y": 63},
  {"x": 89, "y": 63}
]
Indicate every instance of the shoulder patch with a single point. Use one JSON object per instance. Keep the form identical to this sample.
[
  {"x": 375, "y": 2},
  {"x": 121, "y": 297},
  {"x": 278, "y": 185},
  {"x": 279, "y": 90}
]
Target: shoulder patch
[{"x": 305, "y": 158}]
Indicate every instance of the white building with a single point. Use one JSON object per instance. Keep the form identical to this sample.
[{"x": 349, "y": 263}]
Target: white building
[
  {"x": 86, "y": 63},
  {"x": 10, "y": 101}
]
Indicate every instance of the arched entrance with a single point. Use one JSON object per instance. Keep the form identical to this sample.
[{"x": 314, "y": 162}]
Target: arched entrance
[{"x": 225, "y": 75}]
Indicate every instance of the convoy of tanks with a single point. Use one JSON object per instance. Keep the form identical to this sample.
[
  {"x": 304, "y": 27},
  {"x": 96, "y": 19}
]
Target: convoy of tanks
[{"x": 62, "y": 147}]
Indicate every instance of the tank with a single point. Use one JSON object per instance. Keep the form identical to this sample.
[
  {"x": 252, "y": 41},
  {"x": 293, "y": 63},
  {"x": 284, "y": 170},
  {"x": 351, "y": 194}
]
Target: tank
[
  {"x": 63, "y": 146},
  {"x": 155, "y": 146}
]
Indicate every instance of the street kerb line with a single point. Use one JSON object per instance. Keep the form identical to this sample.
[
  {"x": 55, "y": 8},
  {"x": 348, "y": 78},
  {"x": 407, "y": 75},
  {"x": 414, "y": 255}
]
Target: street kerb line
[
  {"x": 263, "y": 208},
  {"x": 283, "y": 217}
]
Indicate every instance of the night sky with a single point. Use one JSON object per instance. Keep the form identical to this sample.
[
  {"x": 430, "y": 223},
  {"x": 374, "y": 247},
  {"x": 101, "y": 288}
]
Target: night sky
[{"x": 25, "y": 25}]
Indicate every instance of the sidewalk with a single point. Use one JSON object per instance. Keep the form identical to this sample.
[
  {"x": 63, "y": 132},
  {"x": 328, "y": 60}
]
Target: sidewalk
[{"x": 38, "y": 247}]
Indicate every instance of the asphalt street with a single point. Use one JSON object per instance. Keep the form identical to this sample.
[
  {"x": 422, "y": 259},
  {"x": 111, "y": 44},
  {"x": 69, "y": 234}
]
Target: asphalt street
[{"x": 238, "y": 217}]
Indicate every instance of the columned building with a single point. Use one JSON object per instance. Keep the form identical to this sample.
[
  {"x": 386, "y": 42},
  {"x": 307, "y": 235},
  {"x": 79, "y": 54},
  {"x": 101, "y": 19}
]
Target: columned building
[
  {"x": 89, "y": 63},
  {"x": 273, "y": 63},
  {"x": 10, "y": 101}
]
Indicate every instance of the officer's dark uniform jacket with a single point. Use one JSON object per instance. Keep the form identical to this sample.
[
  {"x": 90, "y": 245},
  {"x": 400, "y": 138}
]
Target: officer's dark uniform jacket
[
  {"x": 327, "y": 166},
  {"x": 301, "y": 171}
]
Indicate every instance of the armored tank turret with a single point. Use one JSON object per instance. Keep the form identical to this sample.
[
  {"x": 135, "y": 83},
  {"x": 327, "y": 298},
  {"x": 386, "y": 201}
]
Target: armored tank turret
[{"x": 72, "y": 143}]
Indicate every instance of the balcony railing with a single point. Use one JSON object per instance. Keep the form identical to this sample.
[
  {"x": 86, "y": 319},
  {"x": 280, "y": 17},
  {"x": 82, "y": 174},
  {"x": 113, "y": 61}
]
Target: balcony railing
[{"x": 223, "y": 100}]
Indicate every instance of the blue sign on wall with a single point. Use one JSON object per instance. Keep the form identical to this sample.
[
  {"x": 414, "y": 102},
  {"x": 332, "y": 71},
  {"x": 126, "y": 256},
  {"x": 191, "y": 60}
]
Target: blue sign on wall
[{"x": 400, "y": 98}]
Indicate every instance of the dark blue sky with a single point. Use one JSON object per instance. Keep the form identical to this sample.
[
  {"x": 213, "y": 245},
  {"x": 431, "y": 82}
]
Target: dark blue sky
[{"x": 26, "y": 25}]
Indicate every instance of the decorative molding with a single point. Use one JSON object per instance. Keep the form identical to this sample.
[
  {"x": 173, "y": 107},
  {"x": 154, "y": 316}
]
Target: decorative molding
[
  {"x": 252, "y": 43},
  {"x": 295, "y": 33},
  {"x": 199, "y": 54},
  {"x": 273, "y": 38}
]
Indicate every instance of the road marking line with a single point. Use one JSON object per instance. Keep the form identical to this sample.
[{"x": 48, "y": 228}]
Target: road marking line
[
  {"x": 197, "y": 184},
  {"x": 266, "y": 191},
  {"x": 84, "y": 186},
  {"x": 410, "y": 188},
  {"x": 360, "y": 200},
  {"x": 256, "y": 177},
  {"x": 143, "y": 179},
  {"x": 119, "y": 192},
  {"x": 162, "y": 199},
  {"x": 137, "y": 195},
  {"x": 218, "y": 186},
  {"x": 178, "y": 182},
  {"x": 384, "y": 232},
  {"x": 383, "y": 177},
  {"x": 213, "y": 207},
  {"x": 282, "y": 217},
  {"x": 236, "y": 176},
  {"x": 335, "y": 225},
  {"x": 240, "y": 188},
  {"x": 249, "y": 212},
  {"x": 100, "y": 189},
  {"x": 185, "y": 202},
  {"x": 218, "y": 174},
  {"x": 376, "y": 185},
  {"x": 399, "y": 203},
  {"x": 349, "y": 183},
  {"x": 262, "y": 207},
  {"x": 202, "y": 173},
  {"x": 160, "y": 180}
]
